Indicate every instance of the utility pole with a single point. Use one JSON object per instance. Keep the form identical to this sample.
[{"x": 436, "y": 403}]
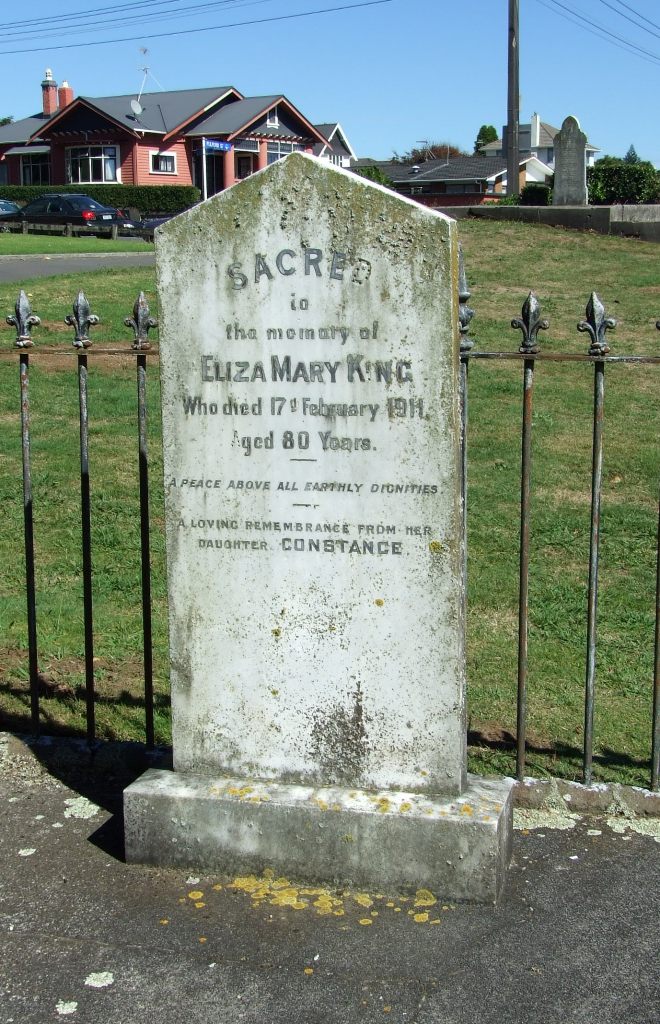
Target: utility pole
[{"x": 513, "y": 104}]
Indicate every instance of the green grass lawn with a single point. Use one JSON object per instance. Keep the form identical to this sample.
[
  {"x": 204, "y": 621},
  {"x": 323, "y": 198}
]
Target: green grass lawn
[
  {"x": 34, "y": 245},
  {"x": 504, "y": 261}
]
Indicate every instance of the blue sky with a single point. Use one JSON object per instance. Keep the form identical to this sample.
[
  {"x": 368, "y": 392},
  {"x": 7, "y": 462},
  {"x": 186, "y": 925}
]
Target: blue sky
[{"x": 392, "y": 73}]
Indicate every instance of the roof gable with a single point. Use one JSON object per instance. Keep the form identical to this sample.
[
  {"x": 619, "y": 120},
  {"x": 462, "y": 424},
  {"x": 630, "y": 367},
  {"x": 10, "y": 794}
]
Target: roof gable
[
  {"x": 162, "y": 112},
  {"x": 250, "y": 114}
]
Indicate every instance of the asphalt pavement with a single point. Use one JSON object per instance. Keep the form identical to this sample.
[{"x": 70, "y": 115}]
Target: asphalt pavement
[
  {"x": 89, "y": 938},
  {"x": 23, "y": 268}
]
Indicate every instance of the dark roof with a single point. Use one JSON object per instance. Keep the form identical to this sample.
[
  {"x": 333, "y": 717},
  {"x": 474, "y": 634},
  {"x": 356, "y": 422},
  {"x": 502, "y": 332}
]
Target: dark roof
[
  {"x": 161, "y": 111},
  {"x": 326, "y": 129},
  {"x": 460, "y": 168},
  {"x": 20, "y": 131},
  {"x": 234, "y": 116}
]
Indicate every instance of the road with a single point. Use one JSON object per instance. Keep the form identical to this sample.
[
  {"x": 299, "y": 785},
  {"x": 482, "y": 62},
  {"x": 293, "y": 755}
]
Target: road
[{"x": 23, "y": 268}]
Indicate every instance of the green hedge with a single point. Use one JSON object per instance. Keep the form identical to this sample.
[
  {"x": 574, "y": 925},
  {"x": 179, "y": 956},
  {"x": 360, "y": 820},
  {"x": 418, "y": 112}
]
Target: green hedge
[
  {"x": 621, "y": 182},
  {"x": 148, "y": 199}
]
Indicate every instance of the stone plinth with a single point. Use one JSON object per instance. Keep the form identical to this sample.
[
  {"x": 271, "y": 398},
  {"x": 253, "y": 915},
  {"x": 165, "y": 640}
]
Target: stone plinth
[{"x": 382, "y": 839}]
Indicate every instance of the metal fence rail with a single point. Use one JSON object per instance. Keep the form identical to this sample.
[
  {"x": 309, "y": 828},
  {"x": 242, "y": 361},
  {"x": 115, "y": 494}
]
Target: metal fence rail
[{"x": 530, "y": 323}]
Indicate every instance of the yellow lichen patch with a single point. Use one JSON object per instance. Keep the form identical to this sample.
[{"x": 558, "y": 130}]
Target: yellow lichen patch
[
  {"x": 389, "y": 904},
  {"x": 436, "y": 547},
  {"x": 202, "y": 938},
  {"x": 363, "y": 900},
  {"x": 268, "y": 873},
  {"x": 199, "y": 904},
  {"x": 467, "y": 809},
  {"x": 405, "y": 807},
  {"x": 365, "y": 920},
  {"x": 425, "y": 898},
  {"x": 421, "y": 918},
  {"x": 379, "y": 602},
  {"x": 436, "y": 920},
  {"x": 281, "y": 883},
  {"x": 218, "y": 887},
  {"x": 195, "y": 895},
  {"x": 338, "y": 913},
  {"x": 382, "y": 803},
  {"x": 308, "y": 971},
  {"x": 320, "y": 803},
  {"x": 239, "y": 790},
  {"x": 263, "y": 799},
  {"x": 387, "y": 1009},
  {"x": 164, "y": 920}
]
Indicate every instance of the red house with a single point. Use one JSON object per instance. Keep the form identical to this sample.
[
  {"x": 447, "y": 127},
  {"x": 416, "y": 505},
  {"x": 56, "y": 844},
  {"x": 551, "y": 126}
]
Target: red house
[{"x": 204, "y": 137}]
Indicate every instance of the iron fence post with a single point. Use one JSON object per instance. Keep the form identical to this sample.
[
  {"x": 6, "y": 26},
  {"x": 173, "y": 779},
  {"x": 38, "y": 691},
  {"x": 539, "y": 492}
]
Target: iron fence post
[
  {"x": 596, "y": 324},
  {"x": 81, "y": 320},
  {"x": 530, "y": 323},
  {"x": 141, "y": 322},
  {"x": 24, "y": 320}
]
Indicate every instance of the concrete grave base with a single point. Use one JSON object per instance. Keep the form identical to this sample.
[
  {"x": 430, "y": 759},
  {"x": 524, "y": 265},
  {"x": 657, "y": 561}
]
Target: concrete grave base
[{"x": 460, "y": 849}]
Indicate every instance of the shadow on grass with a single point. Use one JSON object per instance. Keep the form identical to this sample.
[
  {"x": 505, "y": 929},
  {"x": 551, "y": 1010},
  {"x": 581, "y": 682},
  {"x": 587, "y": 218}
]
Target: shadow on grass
[{"x": 504, "y": 742}]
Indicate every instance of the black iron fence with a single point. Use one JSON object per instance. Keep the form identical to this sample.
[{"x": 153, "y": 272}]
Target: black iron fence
[{"x": 530, "y": 323}]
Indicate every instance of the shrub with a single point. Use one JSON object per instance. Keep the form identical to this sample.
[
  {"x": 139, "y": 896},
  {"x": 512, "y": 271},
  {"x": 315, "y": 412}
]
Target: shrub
[
  {"x": 536, "y": 194},
  {"x": 621, "y": 182},
  {"x": 148, "y": 199}
]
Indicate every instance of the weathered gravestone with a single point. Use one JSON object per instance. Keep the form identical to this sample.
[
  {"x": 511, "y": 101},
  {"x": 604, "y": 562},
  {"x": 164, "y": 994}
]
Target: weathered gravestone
[
  {"x": 309, "y": 363},
  {"x": 570, "y": 187}
]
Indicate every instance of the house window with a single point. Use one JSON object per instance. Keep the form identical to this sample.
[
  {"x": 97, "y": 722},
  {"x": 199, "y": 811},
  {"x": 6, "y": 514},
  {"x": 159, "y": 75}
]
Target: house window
[
  {"x": 162, "y": 163},
  {"x": 276, "y": 150},
  {"x": 272, "y": 120},
  {"x": 416, "y": 190},
  {"x": 87, "y": 164},
  {"x": 35, "y": 169}
]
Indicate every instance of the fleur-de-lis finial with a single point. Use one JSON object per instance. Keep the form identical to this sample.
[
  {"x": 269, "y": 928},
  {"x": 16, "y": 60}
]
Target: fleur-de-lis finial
[
  {"x": 23, "y": 319},
  {"x": 530, "y": 323},
  {"x": 465, "y": 314},
  {"x": 81, "y": 319},
  {"x": 595, "y": 325},
  {"x": 141, "y": 322}
]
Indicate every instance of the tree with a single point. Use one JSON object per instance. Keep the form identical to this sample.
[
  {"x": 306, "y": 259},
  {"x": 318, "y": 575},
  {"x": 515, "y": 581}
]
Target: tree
[
  {"x": 429, "y": 151},
  {"x": 487, "y": 133},
  {"x": 631, "y": 156},
  {"x": 6, "y": 120},
  {"x": 374, "y": 174}
]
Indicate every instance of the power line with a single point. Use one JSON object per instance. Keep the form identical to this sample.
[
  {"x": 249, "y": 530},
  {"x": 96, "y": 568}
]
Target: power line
[
  {"x": 633, "y": 11},
  {"x": 191, "y": 31},
  {"x": 138, "y": 19},
  {"x": 628, "y": 18},
  {"x": 47, "y": 22},
  {"x": 602, "y": 33}
]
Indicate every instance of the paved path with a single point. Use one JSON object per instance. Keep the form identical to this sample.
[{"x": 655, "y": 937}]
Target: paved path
[
  {"x": 87, "y": 938},
  {"x": 22, "y": 268}
]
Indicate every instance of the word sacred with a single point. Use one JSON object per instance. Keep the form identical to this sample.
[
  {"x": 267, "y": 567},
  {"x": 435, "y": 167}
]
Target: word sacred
[{"x": 288, "y": 262}]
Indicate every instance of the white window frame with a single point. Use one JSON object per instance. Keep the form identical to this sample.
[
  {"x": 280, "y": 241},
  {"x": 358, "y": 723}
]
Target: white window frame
[
  {"x": 158, "y": 153},
  {"x": 272, "y": 119},
  {"x": 92, "y": 181}
]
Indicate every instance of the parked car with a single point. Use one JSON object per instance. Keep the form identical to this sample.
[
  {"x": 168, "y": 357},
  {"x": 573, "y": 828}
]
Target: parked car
[
  {"x": 6, "y": 206},
  {"x": 70, "y": 208}
]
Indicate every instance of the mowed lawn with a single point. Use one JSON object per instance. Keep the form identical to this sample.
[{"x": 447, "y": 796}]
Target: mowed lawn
[{"x": 503, "y": 261}]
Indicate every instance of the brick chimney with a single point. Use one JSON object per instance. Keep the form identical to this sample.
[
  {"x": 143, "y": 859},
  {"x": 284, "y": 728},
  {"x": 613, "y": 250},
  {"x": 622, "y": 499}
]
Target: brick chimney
[
  {"x": 64, "y": 95},
  {"x": 49, "y": 93}
]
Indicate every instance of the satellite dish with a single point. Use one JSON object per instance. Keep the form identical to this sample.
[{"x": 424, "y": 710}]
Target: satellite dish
[{"x": 136, "y": 107}]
